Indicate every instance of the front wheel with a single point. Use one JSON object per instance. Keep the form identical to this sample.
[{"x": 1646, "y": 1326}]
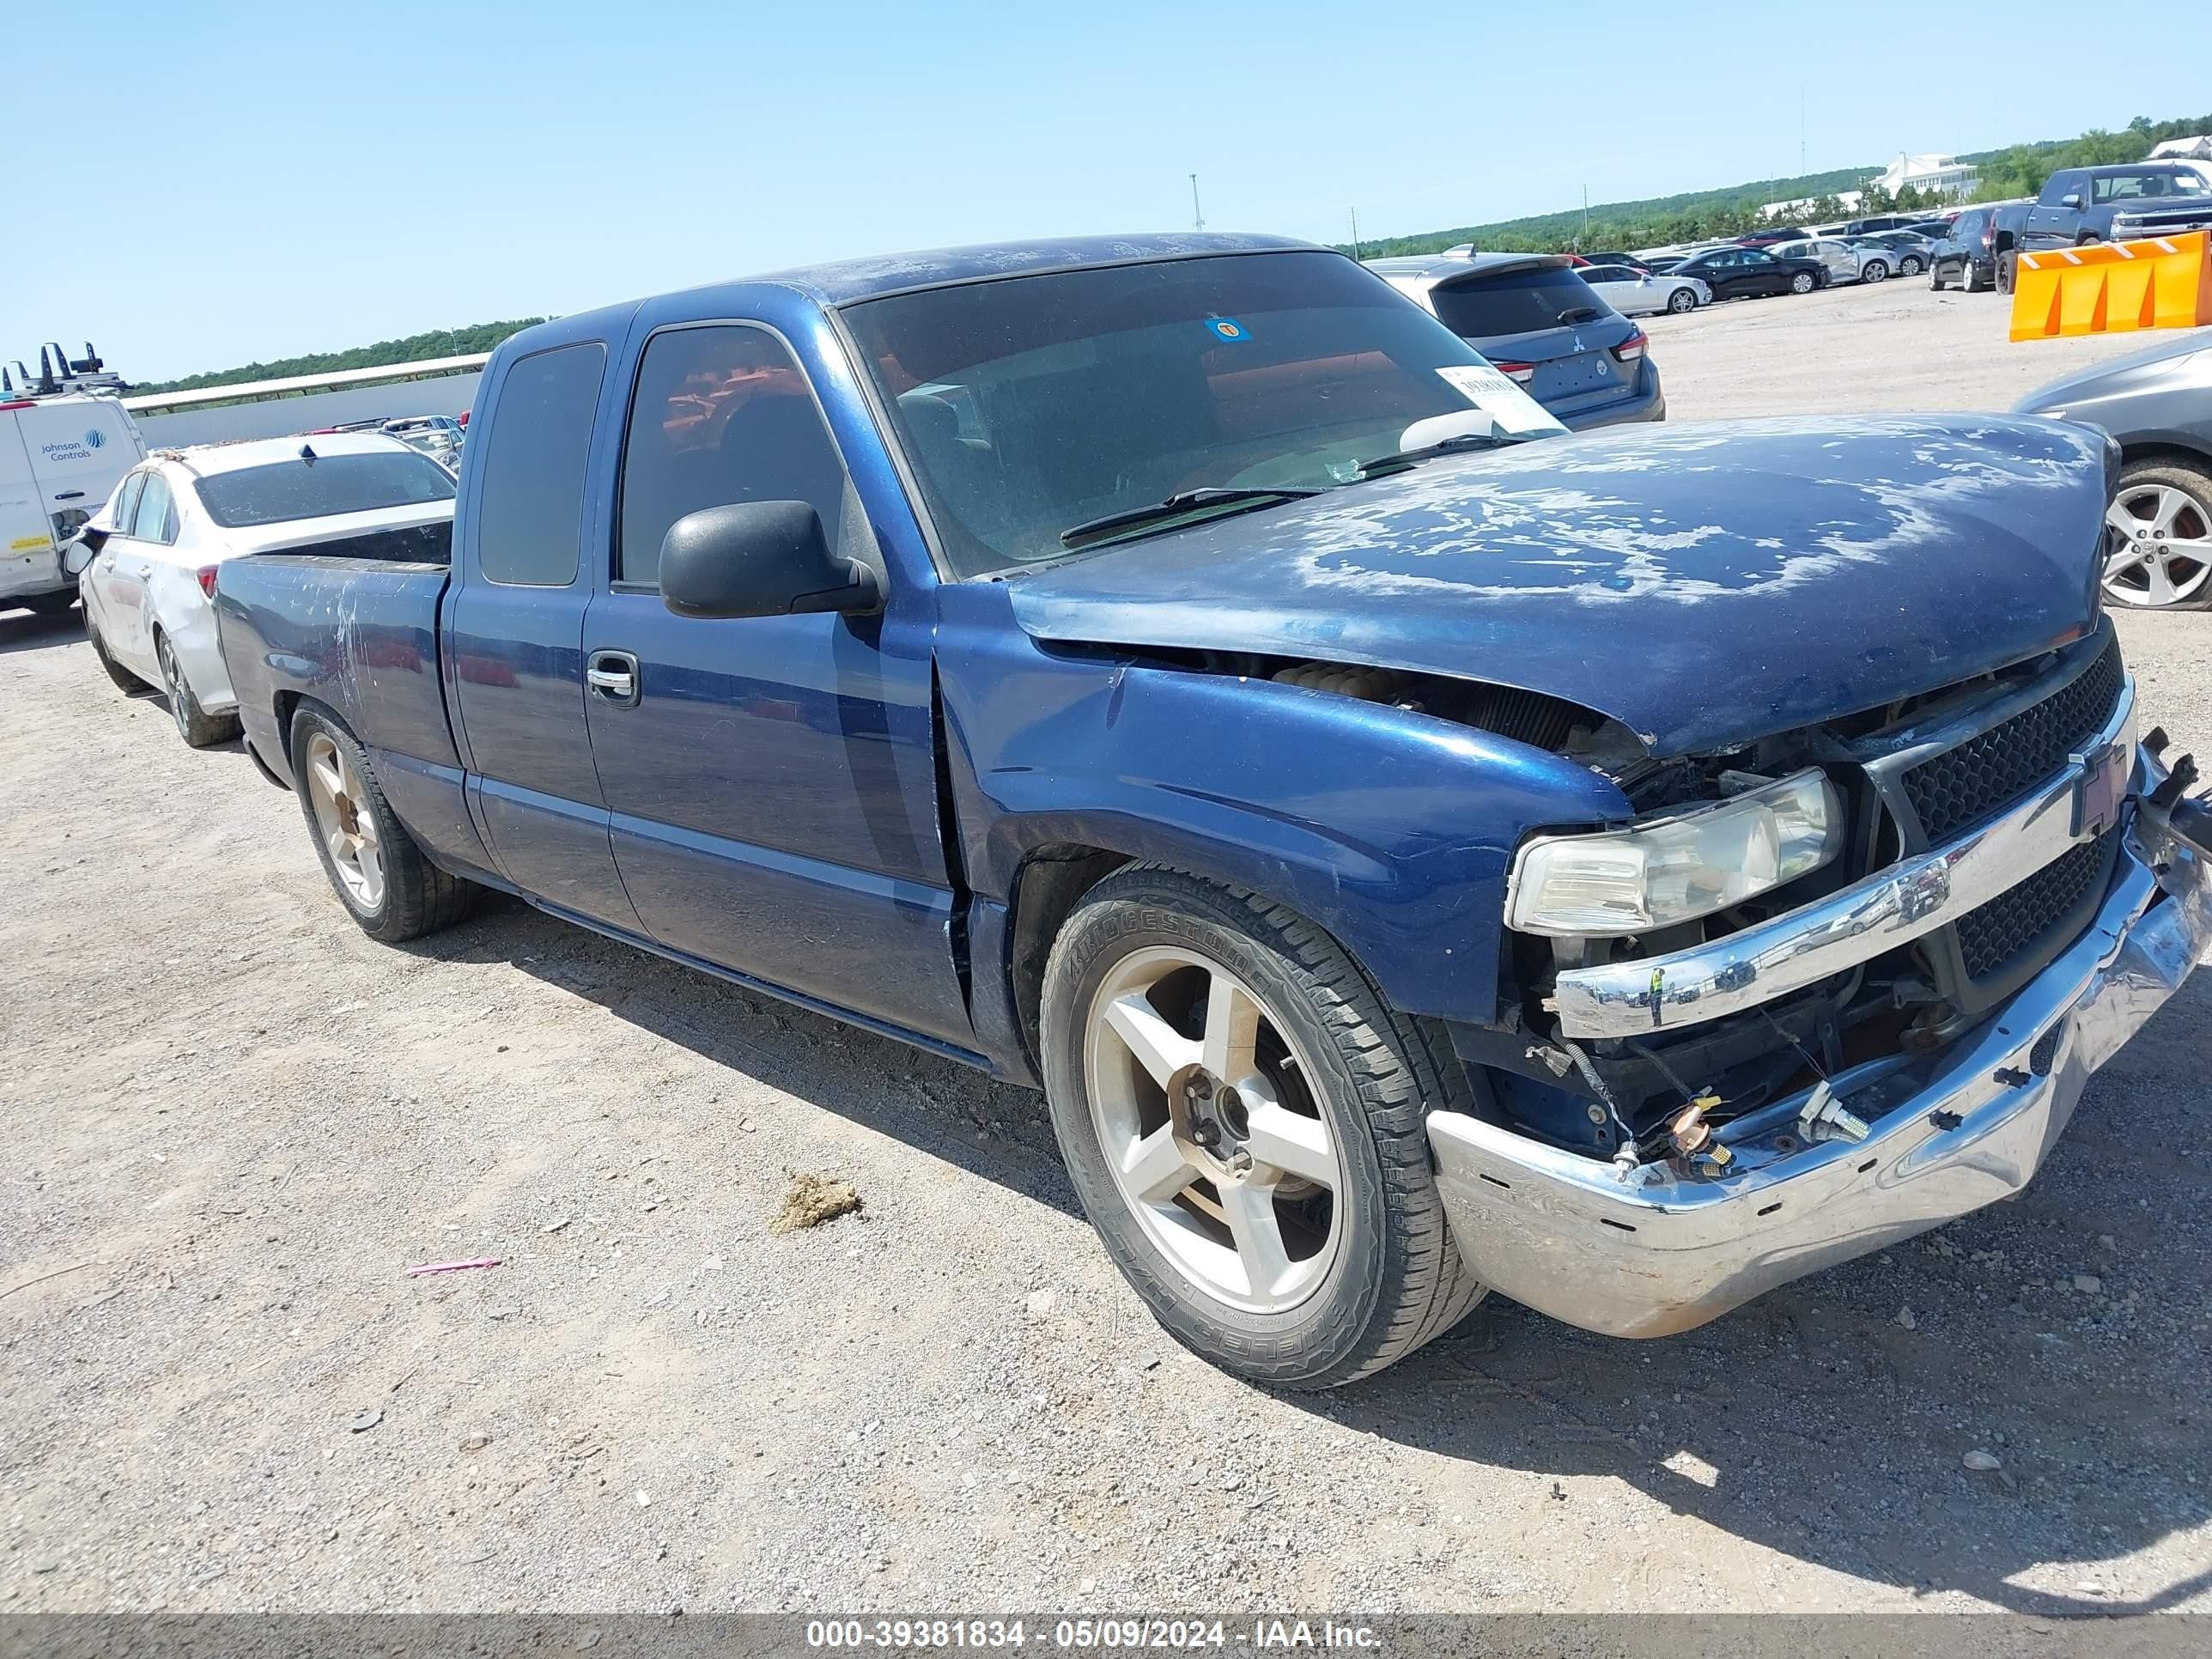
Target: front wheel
[
  {"x": 1244, "y": 1119},
  {"x": 2157, "y": 549},
  {"x": 380, "y": 874},
  {"x": 1682, "y": 300},
  {"x": 2007, "y": 266},
  {"x": 1802, "y": 282},
  {"x": 1874, "y": 271}
]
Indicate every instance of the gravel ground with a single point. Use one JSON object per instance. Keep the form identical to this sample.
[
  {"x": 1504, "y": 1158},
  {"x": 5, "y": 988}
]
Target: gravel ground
[{"x": 238, "y": 1122}]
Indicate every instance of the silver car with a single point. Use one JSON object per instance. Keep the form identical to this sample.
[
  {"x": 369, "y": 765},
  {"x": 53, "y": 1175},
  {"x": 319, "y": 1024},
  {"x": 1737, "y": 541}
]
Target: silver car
[
  {"x": 2157, "y": 404},
  {"x": 1634, "y": 293},
  {"x": 1847, "y": 262}
]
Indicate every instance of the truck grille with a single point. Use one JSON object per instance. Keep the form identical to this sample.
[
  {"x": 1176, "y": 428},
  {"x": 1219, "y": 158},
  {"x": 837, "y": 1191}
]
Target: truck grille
[
  {"x": 1994, "y": 768},
  {"x": 1993, "y": 936}
]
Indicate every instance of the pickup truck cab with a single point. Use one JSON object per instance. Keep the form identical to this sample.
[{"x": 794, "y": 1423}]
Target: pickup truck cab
[
  {"x": 1415, "y": 852},
  {"x": 2119, "y": 203}
]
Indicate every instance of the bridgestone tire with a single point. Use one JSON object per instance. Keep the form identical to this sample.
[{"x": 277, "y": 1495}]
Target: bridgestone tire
[
  {"x": 418, "y": 897},
  {"x": 1396, "y": 1279}
]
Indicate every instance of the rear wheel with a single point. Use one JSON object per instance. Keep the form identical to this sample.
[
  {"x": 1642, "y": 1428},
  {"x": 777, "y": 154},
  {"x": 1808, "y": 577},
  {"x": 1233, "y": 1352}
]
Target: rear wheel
[
  {"x": 1802, "y": 282},
  {"x": 1909, "y": 265},
  {"x": 1682, "y": 300},
  {"x": 199, "y": 728},
  {"x": 2158, "y": 553},
  {"x": 380, "y": 874},
  {"x": 1244, "y": 1119},
  {"x": 1970, "y": 278}
]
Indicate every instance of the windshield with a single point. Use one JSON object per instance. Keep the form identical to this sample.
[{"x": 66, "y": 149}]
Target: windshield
[
  {"x": 331, "y": 484},
  {"x": 1033, "y": 404}
]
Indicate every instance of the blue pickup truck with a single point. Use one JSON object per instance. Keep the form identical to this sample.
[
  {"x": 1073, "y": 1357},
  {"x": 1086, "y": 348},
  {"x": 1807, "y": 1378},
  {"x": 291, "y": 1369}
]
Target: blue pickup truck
[{"x": 1415, "y": 852}]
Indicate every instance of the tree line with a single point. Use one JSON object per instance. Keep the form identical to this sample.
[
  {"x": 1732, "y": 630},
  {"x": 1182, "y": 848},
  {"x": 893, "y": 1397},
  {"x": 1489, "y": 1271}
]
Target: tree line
[
  {"x": 415, "y": 347},
  {"x": 1698, "y": 216}
]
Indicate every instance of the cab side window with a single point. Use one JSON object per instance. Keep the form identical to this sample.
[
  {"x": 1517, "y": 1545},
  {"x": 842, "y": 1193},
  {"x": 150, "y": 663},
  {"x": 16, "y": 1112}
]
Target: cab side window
[
  {"x": 126, "y": 502},
  {"x": 722, "y": 414},
  {"x": 530, "y": 517},
  {"x": 155, "y": 518}
]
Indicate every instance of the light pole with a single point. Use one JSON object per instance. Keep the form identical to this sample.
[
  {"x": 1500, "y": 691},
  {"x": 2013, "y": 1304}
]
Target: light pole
[{"x": 1197, "y": 218}]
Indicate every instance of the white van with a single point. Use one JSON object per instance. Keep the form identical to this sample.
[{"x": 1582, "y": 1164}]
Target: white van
[{"x": 60, "y": 457}]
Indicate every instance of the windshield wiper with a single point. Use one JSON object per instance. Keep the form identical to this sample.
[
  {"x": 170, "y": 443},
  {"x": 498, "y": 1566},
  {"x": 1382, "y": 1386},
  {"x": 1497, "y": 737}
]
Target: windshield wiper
[
  {"x": 1183, "y": 501},
  {"x": 1399, "y": 460}
]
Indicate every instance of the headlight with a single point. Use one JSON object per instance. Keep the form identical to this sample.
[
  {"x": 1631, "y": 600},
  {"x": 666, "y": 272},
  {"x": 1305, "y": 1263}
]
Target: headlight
[{"x": 1679, "y": 867}]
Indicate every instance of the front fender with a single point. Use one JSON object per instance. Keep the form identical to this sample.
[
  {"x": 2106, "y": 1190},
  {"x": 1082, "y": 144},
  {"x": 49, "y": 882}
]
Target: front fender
[{"x": 1394, "y": 830}]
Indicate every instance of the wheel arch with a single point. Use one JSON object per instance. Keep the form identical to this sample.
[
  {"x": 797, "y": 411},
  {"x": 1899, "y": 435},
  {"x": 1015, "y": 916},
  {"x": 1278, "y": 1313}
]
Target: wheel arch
[{"x": 2166, "y": 449}]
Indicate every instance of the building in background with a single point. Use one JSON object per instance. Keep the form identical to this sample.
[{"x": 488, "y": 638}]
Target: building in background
[
  {"x": 1939, "y": 175},
  {"x": 303, "y": 403}
]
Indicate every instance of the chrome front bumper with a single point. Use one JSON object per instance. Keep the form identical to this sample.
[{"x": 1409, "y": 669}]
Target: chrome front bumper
[{"x": 1663, "y": 1251}]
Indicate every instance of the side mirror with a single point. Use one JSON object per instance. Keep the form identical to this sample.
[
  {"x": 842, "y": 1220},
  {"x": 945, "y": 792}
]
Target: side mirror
[
  {"x": 77, "y": 555},
  {"x": 759, "y": 559},
  {"x": 2069, "y": 200}
]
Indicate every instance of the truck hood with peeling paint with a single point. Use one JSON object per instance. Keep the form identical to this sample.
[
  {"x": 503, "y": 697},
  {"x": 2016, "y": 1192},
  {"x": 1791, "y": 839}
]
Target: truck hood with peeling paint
[{"x": 1703, "y": 585}]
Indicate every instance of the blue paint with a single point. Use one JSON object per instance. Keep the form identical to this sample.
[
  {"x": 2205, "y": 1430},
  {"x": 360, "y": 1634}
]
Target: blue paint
[{"x": 840, "y": 809}]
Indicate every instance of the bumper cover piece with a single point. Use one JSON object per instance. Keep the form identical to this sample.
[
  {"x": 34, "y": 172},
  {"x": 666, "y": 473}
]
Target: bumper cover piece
[{"x": 1664, "y": 1251}]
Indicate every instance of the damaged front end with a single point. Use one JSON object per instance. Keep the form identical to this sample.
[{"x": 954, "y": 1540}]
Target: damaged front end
[{"x": 1871, "y": 1010}]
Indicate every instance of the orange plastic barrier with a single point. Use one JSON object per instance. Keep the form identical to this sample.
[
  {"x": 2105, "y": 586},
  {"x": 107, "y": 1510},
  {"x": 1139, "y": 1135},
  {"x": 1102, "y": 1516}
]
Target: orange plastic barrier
[{"x": 2108, "y": 288}]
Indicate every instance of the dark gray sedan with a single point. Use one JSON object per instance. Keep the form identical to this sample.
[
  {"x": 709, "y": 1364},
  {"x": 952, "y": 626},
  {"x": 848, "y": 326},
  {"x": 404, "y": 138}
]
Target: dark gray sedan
[{"x": 2157, "y": 403}]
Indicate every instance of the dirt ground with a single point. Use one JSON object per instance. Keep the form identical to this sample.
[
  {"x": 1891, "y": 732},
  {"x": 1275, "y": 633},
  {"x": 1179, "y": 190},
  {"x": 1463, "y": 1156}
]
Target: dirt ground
[{"x": 236, "y": 1123}]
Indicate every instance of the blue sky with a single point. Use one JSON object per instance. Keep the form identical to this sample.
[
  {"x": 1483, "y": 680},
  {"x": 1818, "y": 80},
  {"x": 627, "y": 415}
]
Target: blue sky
[{"x": 230, "y": 182}]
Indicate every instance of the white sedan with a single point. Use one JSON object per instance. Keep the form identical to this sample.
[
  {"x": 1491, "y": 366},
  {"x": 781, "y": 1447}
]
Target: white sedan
[
  {"x": 146, "y": 567},
  {"x": 1634, "y": 293}
]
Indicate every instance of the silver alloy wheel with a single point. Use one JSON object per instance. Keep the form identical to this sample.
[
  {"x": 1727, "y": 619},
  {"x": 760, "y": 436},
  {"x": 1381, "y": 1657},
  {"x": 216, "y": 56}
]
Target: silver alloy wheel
[
  {"x": 1908, "y": 266},
  {"x": 172, "y": 683},
  {"x": 342, "y": 819},
  {"x": 1682, "y": 300},
  {"x": 1875, "y": 272},
  {"x": 1802, "y": 282},
  {"x": 1215, "y": 1140},
  {"x": 2161, "y": 549}
]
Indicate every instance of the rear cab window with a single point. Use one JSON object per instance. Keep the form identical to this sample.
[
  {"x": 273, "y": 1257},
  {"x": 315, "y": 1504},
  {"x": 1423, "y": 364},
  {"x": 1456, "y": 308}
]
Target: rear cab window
[
  {"x": 1525, "y": 302},
  {"x": 530, "y": 512},
  {"x": 324, "y": 487}
]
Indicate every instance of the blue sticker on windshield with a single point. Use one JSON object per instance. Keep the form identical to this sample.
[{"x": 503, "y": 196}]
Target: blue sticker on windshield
[{"x": 1229, "y": 328}]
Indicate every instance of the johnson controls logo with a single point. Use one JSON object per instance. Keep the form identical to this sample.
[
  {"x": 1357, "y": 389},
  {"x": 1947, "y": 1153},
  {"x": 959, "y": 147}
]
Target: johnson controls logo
[{"x": 93, "y": 437}]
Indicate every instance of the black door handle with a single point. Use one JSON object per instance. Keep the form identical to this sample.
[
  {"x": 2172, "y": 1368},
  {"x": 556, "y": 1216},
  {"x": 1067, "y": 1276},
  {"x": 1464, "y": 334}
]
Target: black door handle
[{"x": 613, "y": 677}]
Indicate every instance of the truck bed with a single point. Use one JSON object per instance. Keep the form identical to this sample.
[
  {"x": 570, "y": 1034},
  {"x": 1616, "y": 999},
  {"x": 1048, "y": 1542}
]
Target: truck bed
[{"x": 360, "y": 635}]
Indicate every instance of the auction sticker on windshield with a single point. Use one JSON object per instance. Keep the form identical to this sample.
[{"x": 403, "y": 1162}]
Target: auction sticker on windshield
[{"x": 1517, "y": 414}]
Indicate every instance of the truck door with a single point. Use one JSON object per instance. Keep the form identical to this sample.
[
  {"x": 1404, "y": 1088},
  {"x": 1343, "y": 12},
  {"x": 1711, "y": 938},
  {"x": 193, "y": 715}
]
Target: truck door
[
  {"x": 2051, "y": 222},
  {"x": 26, "y": 541},
  {"x": 513, "y": 636},
  {"x": 773, "y": 779}
]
